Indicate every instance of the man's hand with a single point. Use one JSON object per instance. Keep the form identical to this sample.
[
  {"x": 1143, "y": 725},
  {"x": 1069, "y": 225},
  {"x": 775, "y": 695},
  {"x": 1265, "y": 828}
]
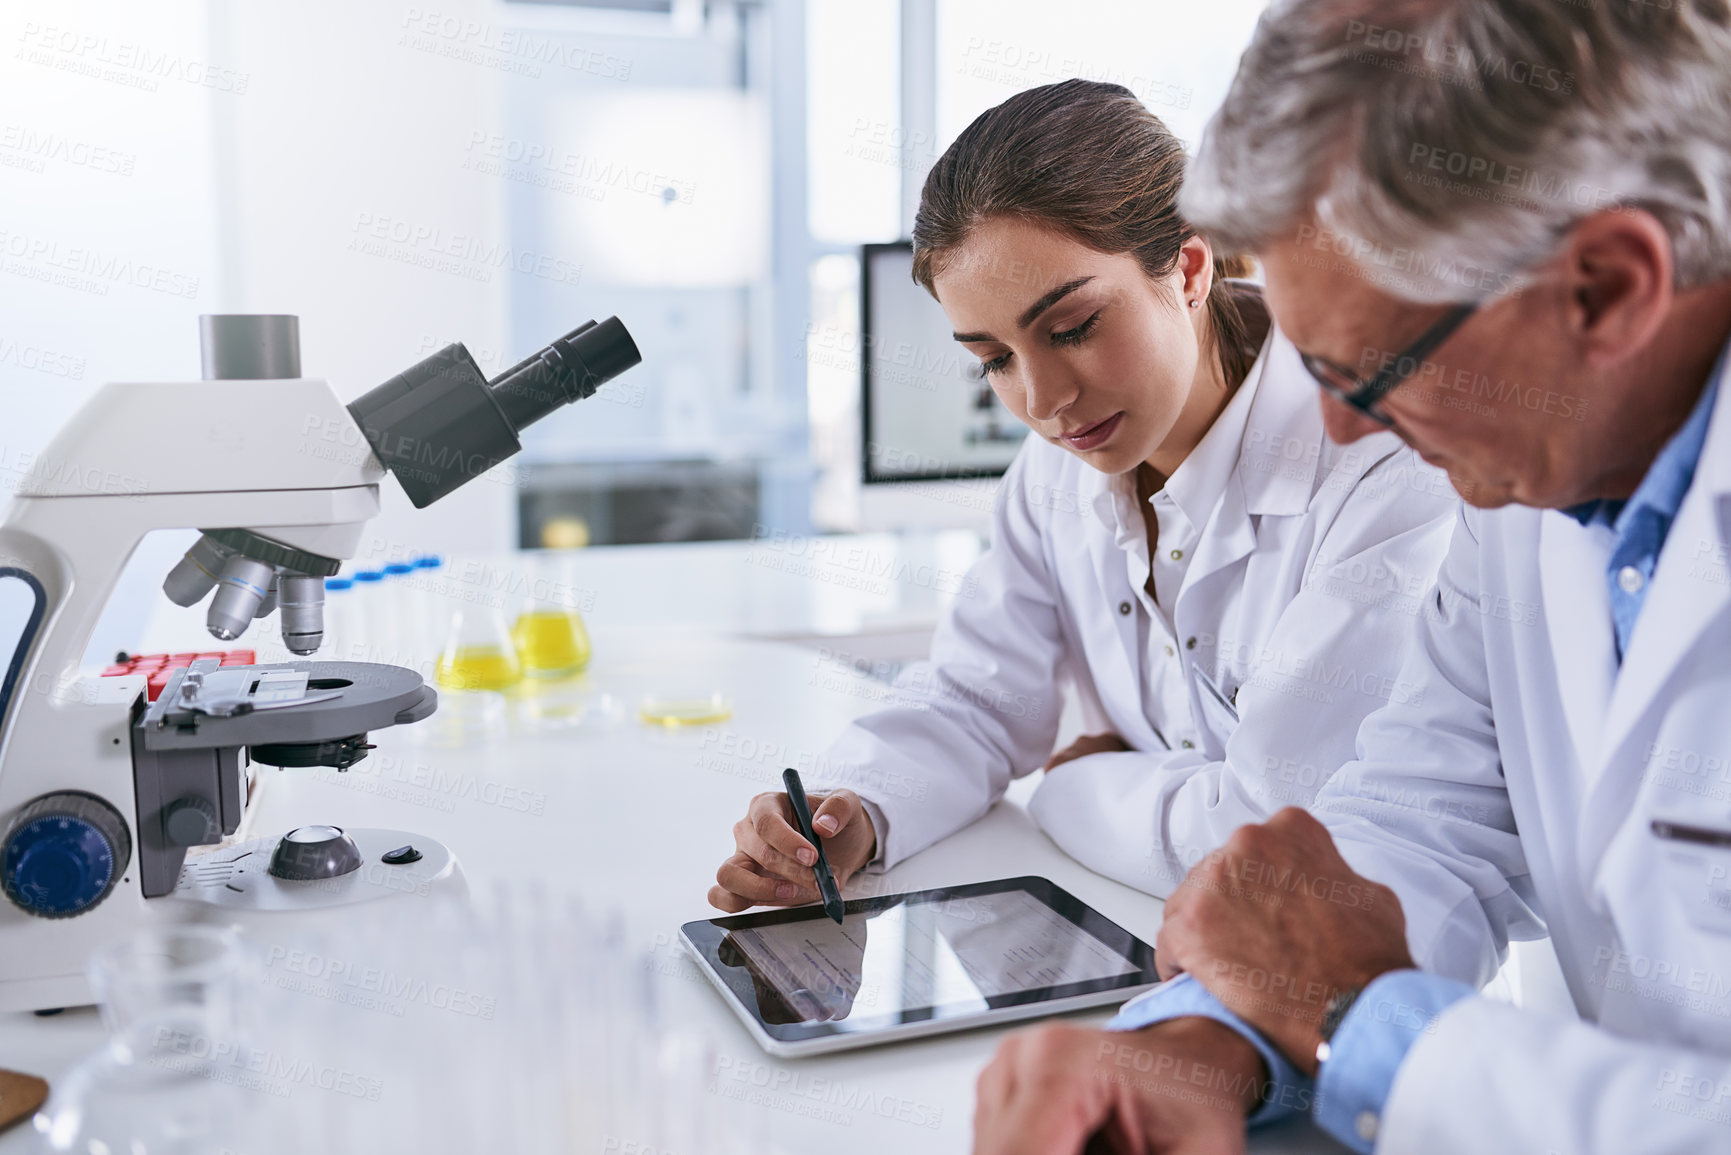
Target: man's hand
[
  {"x": 1084, "y": 746},
  {"x": 1182, "y": 1087},
  {"x": 1275, "y": 923},
  {"x": 773, "y": 863}
]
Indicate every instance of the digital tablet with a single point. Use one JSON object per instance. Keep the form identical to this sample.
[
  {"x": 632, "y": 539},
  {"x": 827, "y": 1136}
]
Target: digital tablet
[{"x": 905, "y": 965}]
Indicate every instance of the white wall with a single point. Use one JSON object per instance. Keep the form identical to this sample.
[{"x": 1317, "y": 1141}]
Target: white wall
[
  {"x": 180, "y": 157},
  {"x": 107, "y": 254},
  {"x": 349, "y": 205}
]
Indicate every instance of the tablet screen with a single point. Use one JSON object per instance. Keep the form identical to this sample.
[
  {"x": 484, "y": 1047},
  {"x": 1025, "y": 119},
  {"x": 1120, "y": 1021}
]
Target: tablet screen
[{"x": 930, "y": 954}]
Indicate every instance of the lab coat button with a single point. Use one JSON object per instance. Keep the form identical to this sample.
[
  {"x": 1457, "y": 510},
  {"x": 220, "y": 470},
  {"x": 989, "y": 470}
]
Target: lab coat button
[
  {"x": 1169, "y": 650},
  {"x": 1124, "y": 608},
  {"x": 1177, "y": 555},
  {"x": 1365, "y": 1125},
  {"x": 1188, "y": 744},
  {"x": 1630, "y": 579},
  {"x": 1190, "y": 643}
]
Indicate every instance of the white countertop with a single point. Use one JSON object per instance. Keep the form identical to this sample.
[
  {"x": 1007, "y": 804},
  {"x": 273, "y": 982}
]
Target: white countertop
[
  {"x": 881, "y": 593},
  {"x": 640, "y": 818},
  {"x": 777, "y": 586}
]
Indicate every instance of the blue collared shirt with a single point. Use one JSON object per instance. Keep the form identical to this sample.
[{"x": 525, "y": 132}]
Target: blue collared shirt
[
  {"x": 1347, "y": 1098},
  {"x": 1640, "y": 524},
  {"x": 1371, "y": 1043}
]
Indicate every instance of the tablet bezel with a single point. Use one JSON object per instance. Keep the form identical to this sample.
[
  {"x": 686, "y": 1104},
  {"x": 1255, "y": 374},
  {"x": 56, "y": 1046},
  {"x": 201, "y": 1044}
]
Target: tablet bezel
[{"x": 705, "y": 937}]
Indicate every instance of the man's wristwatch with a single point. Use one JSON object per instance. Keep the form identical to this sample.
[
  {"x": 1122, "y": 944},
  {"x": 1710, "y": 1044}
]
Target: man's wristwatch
[{"x": 1333, "y": 1014}]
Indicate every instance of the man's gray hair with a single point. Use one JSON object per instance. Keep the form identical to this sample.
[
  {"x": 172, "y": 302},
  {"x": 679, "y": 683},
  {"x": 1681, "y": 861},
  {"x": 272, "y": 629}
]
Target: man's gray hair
[{"x": 1445, "y": 145}]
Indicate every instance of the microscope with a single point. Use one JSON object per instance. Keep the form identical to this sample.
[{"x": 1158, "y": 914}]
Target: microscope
[{"x": 103, "y": 791}]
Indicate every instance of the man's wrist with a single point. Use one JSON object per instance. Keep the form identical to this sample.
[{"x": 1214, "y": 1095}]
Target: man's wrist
[
  {"x": 1211, "y": 1054},
  {"x": 1340, "y": 1000},
  {"x": 1293, "y": 1021},
  {"x": 1287, "y": 1091}
]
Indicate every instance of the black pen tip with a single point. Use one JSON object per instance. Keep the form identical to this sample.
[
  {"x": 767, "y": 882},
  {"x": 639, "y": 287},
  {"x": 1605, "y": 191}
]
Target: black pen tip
[{"x": 834, "y": 910}]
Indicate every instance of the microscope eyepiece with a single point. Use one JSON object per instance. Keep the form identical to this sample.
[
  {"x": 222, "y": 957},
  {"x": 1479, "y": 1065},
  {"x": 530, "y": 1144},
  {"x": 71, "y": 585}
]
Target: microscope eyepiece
[
  {"x": 442, "y": 423},
  {"x": 569, "y": 369}
]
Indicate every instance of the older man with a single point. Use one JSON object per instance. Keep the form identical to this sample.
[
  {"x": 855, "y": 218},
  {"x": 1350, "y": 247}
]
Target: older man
[{"x": 1501, "y": 228}]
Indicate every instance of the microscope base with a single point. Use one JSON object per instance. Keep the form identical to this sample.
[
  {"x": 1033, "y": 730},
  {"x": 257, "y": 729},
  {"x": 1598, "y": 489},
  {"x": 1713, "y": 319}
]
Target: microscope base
[{"x": 237, "y": 878}]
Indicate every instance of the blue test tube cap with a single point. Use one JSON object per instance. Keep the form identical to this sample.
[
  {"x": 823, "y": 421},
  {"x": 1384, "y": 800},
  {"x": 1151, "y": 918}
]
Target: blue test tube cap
[
  {"x": 429, "y": 561},
  {"x": 337, "y": 584},
  {"x": 397, "y": 569},
  {"x": 369, "y": 575}
]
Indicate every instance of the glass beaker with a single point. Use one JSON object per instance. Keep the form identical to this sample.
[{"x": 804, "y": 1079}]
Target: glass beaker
[
  {"x": 479, "y": 653},
  {"x": 164, "y": 1083},
  {"x": 168, "y": 974}
]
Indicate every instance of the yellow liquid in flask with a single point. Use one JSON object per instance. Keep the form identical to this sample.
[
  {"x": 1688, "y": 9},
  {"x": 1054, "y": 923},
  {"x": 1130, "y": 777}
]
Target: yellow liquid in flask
[
  {"x": 551, "y": 643},
  {"x": 479, "y": 668}
]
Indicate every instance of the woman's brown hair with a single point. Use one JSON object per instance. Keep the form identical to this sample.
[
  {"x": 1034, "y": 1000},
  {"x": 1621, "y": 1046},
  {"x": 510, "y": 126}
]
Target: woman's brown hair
[{"x": 1090, "y": 160}]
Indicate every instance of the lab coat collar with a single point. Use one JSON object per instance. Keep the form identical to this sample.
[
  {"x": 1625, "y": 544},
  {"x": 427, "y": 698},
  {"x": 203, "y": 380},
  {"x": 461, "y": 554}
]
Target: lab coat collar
[
  {"x": 1713, "y": 470},
  {"x": 1200, "y": 481},
  {"x": 1278, "y": 448},
  {"x": 1578, "y": 618},
  {"x": 1689, "y": 585},
  {"x": 1282, "y": 444},
  {"x": 1198, "y": 484},
  {"x": 1689, "y": 589},
  {"x": 1267, "y": 444},
  {"x": 1274, "y": 425}
]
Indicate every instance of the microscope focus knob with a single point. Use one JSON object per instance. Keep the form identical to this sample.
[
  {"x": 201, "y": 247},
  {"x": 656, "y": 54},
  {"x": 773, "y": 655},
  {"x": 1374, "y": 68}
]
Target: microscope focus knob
[
  {"x": 190, "y": 821},
  {"x": 63, "y": 853}
]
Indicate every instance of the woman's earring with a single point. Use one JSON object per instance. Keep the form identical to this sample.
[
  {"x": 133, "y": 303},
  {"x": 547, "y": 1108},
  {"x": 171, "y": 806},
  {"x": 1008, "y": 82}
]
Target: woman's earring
[{"x": 1195, "y": 304}]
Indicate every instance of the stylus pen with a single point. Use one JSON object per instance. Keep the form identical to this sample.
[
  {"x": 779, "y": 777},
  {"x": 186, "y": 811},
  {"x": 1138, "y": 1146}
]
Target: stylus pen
[{"x": 802, "y": 811}]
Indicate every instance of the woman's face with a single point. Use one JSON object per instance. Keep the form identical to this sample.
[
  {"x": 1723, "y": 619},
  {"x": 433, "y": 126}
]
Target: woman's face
[{"x": 1084, "y": 347}]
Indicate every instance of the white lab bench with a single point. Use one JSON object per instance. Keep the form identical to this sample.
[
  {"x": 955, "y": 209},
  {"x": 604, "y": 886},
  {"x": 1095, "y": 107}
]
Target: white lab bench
[
  {"x": 873, "y": 594},
  {"x": 639, "y": 818}
]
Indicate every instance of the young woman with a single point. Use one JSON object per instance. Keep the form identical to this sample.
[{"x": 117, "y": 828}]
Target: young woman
[{"x": 1229, "y": 591}]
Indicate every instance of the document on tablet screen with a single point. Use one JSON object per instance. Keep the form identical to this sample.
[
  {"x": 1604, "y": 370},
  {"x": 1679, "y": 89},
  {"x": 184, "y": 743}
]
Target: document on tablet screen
[{"x": 954, "y": 953}]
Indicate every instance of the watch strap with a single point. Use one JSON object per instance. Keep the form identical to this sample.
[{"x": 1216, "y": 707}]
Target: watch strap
[{"x": 1334, "y": 1013}]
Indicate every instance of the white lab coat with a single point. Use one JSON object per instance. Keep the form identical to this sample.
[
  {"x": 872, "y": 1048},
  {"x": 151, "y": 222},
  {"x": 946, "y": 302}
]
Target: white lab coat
[
  {"x": 1526, "y": 783},
  {"x": 1301, "y": 588}
]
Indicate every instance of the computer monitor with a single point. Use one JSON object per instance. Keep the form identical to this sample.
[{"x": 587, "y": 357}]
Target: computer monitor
[{"x": 927, "y": 414}]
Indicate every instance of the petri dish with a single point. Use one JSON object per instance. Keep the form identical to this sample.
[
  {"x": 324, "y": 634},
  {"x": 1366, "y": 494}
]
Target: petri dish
[
  {"x": 581, "y": 710},
  {"x": 677, "y": 711}
]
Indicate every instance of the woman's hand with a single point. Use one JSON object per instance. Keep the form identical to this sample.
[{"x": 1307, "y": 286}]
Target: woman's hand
[
  {"x": 1083, "y": 746},
  {"x": 773, "y": 863}
]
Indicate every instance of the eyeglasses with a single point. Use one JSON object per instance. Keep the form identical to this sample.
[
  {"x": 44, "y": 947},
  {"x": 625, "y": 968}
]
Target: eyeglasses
[{"x": 1348, "y": 388}]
